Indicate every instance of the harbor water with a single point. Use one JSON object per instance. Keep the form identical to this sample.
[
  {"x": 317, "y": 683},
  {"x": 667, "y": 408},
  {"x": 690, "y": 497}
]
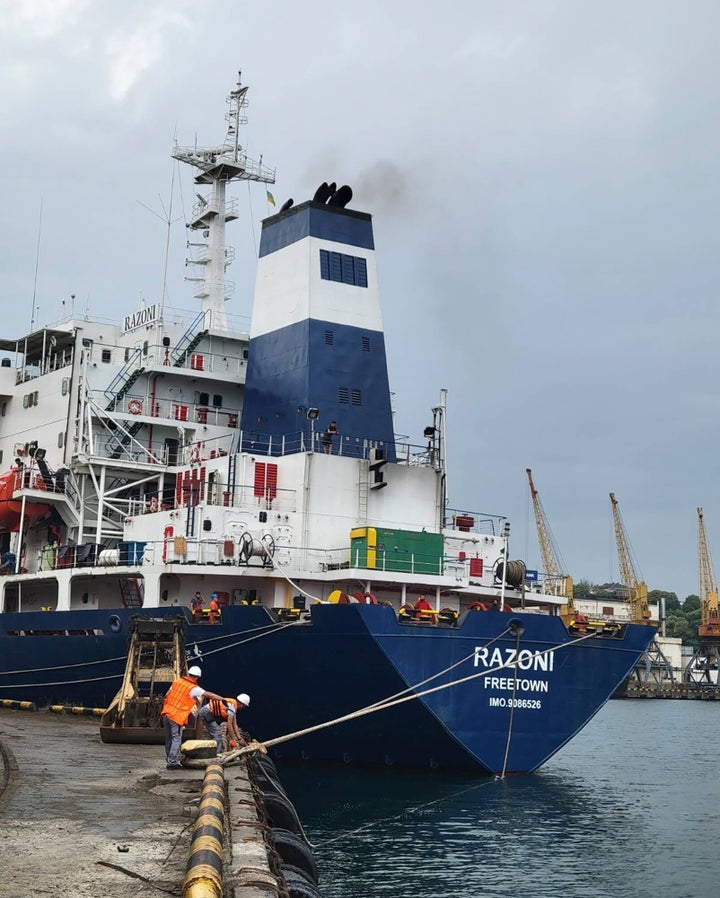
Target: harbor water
[{"x": 629, "y": 809}]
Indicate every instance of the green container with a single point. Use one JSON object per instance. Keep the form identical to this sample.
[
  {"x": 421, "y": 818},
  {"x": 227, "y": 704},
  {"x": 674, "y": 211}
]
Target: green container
[{"x": 408, "y": 551}]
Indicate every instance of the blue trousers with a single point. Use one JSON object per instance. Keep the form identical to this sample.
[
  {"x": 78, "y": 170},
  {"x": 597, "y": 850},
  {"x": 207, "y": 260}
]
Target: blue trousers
[{"x": 173, "y": 740}]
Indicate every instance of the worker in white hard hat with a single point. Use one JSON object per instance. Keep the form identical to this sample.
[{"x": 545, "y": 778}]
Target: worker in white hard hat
[
  {"x": 180, "y": 700},
  {"x": 216, "y": 713}
]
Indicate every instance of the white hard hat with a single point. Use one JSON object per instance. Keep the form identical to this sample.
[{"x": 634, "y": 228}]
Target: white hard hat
[
  {"x": 195, "y": 671},
  {"x": 244, "y": 699}
]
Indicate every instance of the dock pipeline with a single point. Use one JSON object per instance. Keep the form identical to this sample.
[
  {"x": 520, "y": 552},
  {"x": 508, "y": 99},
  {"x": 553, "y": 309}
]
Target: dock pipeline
[
  {"x": 17, "y": 705},
  {"x": 268, "y": 846},
  {"x": 204, "y": 877},
  {"x": 77, "y": 710}
]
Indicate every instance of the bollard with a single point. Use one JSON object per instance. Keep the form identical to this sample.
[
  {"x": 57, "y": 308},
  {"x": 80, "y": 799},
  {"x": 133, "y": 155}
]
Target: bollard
[
  {"x": 17, "y": 705},
  {"x": 204, "y": 876}
]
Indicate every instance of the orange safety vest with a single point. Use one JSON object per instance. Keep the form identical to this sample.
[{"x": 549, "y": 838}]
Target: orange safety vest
[
  {"x": 219, "y": 709},
  {"x": 178, "y": 703}
]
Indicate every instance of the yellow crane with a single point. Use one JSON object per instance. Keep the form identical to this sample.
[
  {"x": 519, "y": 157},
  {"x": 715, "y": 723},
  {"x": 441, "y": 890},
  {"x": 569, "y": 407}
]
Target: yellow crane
[
  {"x": 637, "y": 591},
  {"x": 704, "y": 666},
  {"x": 709, "y": 614},
  {"x": 556, "y": 582}
]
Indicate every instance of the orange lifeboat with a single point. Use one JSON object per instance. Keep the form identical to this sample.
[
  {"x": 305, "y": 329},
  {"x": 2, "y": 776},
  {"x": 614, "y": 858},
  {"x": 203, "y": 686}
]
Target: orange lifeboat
[{"x": 10, "y": 508}]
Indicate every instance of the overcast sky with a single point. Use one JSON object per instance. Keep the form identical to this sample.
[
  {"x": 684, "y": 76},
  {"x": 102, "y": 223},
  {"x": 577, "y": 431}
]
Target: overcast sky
[{"x": 544, "y": 179}]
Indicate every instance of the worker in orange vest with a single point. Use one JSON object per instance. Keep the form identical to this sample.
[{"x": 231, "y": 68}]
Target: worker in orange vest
[
  {"x": 580, "y": 623},
  {"x": 213, "y": 609},
  {"x": 216, "y": 713},
  {"x": 180, "y": 700}
]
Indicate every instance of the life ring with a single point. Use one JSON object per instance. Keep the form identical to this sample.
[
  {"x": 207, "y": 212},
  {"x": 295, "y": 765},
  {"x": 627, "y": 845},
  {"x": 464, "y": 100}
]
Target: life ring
[
  {"x": 135, "y": 406},
  {"x": 195, "y": 456},
  {"x": 478, "y": 606}
]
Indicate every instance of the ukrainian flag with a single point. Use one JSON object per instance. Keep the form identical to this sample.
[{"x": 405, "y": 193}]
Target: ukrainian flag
[{"x": 270, "y": 197}]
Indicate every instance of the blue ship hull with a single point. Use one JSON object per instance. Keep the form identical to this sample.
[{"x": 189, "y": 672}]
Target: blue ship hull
[{"x": 346, "y": 658}]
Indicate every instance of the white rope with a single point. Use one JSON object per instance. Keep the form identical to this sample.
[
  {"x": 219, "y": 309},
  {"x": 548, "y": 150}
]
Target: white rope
[
  {"x": 292, "y": 583},
  {"x": 512, "y": 709},
  {"x": 61, "y": 682},
  {"x": 29, "y": 670},
  {"x": 271, "y": 628}
]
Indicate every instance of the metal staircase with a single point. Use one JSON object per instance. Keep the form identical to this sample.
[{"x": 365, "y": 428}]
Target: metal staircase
[
  {"x": 232, "y": 477},
  {"x": 363, "y": 491},
  {"x": 189, "y": 340},
  {"x": 131, "y": 590},
  {"x": 124, "y": 379},
  {"x": 116, "y": 447}
]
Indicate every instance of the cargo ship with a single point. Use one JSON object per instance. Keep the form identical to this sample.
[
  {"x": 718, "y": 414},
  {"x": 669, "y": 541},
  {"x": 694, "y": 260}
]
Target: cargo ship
[{"x": 167, "y": 455}]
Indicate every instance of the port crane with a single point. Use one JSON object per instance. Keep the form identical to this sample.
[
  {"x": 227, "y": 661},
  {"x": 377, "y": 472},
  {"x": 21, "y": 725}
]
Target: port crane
[
  {"x": 704, "y": 664},
  {"x": 556, "y": 581},
  {"x": 637, "y": 591},
  {"x": 653, "y": 667}
]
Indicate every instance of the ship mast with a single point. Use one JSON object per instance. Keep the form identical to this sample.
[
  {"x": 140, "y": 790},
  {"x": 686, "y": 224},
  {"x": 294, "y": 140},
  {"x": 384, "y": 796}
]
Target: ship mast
[{"x": 216, "y": 167}]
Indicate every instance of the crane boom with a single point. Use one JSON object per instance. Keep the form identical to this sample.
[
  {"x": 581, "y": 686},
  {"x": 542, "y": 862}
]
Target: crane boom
[
  {"x": 556, "y": 580},
  {"x": 637, "y": 591},
  {"x": 710, "y": 617}
]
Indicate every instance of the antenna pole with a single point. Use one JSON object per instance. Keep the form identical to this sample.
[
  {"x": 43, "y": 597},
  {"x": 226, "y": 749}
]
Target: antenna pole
[
  {"x": 37, "y": 267},
  {"x": 167, "y": 244}
]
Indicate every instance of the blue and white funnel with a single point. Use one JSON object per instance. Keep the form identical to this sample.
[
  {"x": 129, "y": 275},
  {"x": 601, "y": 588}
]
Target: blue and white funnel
[{"x": 316, "y": 339}]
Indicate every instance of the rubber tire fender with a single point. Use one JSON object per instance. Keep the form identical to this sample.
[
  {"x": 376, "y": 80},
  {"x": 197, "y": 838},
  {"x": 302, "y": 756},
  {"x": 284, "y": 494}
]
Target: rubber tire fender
[
  {"x": 280, "y": 812},
  {"x": 295, "y": 850},
  {"x": 266, "y": 783},
  {"x": 266, "y": 763},
  {"x": 298, "y": 883}
]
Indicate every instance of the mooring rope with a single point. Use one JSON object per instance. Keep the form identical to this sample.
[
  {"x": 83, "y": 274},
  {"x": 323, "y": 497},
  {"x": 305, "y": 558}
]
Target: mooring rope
[
  {"x": 266, "y": 631},
  {"x": 512, "y": 706}
]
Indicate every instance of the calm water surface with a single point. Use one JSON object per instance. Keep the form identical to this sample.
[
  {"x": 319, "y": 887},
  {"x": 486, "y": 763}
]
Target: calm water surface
[{"x": 630, "y": 809}]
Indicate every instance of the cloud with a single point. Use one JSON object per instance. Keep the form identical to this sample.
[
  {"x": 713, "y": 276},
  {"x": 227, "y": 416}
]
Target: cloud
[
  {"x": 42, "y": 19},
  {"x": 76, "y": 41},
  {"x": 130, "y": 55}
]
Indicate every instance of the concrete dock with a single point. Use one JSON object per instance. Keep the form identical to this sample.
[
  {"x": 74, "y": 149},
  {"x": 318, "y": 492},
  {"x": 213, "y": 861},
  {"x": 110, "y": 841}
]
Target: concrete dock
[{"x": 79, "y": 817}]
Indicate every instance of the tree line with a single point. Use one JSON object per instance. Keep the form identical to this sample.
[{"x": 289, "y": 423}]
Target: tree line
[{"x": 682, "y": 618}]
